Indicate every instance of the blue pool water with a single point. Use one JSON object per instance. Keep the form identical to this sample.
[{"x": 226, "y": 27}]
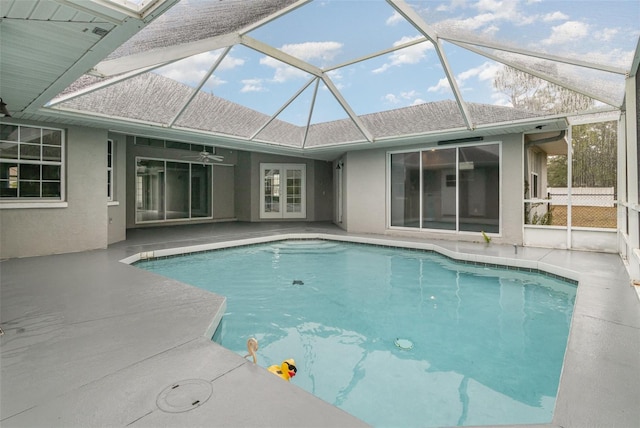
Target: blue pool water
[{"x": 486, "y": 344}]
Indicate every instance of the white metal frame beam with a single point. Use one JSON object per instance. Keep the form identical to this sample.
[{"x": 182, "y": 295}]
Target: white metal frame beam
[
  {"x": 601, "y": 67},
  {"x": 165, "y": 55},
  {"x": 414, "y": 19}
]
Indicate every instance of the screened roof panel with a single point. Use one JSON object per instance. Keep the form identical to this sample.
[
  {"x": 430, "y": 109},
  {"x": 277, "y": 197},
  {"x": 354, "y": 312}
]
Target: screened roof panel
[
  {"x": 601, "y": 85},
  {"x": 213, "y": 114},
  {"x": 399, "y": 79},
  {"x": 257, "y": 81},
  {"x": 149, "y": 98},
  {"x": 194, "y": 20},
  {"x": 604, "y": 32},
  {"x": 320, "y": 73}
]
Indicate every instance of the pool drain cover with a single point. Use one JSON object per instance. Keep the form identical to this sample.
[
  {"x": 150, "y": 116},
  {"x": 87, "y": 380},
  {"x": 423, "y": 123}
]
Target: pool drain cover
[
  {"x": 404, "y": 343},
  {"x": 184, "y": 395}
]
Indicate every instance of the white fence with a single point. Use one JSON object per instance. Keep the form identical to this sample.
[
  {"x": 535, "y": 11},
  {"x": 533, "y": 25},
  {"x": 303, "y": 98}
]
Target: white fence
[{"x": 583, "y": 196}]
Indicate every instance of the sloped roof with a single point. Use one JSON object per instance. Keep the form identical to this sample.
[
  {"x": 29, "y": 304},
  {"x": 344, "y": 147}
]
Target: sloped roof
[
  {"x": 155, "y": 99},
  {"x": 181, "y": 67}
]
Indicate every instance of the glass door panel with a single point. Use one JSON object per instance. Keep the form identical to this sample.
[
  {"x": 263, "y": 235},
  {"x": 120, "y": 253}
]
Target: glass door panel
[
  {"x": 149, "y": 190},
  {"x": 405, "y": 189},
  {"x": 177, "y": 190},
  {"x": 201, "y": 190},
  {"x": 479, "y": 188},
  {"x": 294, "y": 191},
  {"x": 439, "y": 189},
  {"x": 271, "y": 185}
]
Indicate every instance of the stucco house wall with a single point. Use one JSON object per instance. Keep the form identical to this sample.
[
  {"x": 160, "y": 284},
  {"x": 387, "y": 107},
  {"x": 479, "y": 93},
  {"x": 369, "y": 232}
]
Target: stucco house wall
[
  {"x": 82, "y": 224},
  {"x": 365, "y": 184}
]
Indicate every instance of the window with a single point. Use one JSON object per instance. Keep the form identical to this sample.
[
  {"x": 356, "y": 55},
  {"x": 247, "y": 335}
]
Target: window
[
  {"x": 170, "y": 190},
  {"x": 282, "y": 190},
  {"x": 110, "y": 155},
  {"x": 456, "y": 189},
  {"x": 535, "y": 193},
  {"x": 31, "y": 163}
]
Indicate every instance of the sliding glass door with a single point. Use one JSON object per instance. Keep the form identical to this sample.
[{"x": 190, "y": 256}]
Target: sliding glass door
[
  {"x": 169, "y": 190},
  {"x": 456, "y": 189}
]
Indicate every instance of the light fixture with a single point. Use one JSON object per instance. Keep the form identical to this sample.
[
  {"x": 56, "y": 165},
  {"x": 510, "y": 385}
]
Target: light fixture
[{"x": 3, "y": 109}]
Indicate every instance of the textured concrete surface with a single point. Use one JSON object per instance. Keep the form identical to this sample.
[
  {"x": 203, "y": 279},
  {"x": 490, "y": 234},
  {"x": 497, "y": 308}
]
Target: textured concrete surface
[{"x": 91, "y": 341}]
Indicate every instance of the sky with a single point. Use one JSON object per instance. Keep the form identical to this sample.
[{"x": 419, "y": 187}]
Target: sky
[{"x": 327, "y": 33}]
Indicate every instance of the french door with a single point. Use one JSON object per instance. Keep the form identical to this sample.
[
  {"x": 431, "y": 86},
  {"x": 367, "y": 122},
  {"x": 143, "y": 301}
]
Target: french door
[{"x": 283, "y": 190}]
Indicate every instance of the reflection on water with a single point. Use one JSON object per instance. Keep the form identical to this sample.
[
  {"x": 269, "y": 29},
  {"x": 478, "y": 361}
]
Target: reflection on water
[{"x": 488, "y": 344}]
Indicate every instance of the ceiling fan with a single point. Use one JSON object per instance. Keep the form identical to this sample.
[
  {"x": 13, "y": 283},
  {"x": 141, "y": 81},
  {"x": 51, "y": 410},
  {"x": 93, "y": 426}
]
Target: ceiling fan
[{"x": 205, "y": 157}]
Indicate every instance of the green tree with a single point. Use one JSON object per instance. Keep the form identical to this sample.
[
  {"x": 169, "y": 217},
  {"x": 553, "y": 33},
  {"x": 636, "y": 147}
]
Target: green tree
[
  {"x": 595, "y": 154},
  {"x": 557, "y": 171}
]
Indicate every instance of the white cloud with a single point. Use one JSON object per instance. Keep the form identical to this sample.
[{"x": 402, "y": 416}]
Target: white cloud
[
  {"x": 411, "y": 55},
  {"x": 615, "y": 57},
  {"x": 484, "y": 72},
  {"x": 491, "y": 30},
  {"x": 412, "y": 97},
  {"x": 282, "y": 71},
  {"x": 607, "y": 34},
  {"x": 309, "y": 51},
  {"x": 408, "y": 95},
  {"x": 570, "y": 30},
  {"x": 503, "y": 9},
  {"x": 477, "y": 21},
  {"x": 489, "y": 5},
  {"x": 442, "y": 86},
  {"x": 191, "y": 70},
  {"x": 252, "y": 85},
  {"x": 555, "y": 16},
  {"x": 391, "y": 98},
  {"x": 394, "y": 19}
]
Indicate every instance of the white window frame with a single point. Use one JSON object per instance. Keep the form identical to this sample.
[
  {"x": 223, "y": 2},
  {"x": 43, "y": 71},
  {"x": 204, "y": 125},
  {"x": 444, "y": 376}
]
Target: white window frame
[
  {"x": 283, "y": 213},
  {"x": 40, "y": 202},
  {"x": 110, "y": 162}
]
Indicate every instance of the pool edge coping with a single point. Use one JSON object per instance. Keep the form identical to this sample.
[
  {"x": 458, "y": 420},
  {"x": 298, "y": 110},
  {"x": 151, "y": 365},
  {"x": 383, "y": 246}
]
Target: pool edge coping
[{"x": 461, "y": 256}]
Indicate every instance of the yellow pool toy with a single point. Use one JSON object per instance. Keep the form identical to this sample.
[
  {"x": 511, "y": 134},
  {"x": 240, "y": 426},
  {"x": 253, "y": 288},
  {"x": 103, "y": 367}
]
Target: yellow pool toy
[{"x": 286, "y": 370}]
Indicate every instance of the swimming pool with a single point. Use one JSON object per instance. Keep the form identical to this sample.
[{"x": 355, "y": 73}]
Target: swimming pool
[{"x": 478, "y": 345}]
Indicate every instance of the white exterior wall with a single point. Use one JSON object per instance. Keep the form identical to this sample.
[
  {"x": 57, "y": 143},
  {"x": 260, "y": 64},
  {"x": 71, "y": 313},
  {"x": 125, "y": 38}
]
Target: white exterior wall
[
  {"x": 364, "y": 175},
  {"x": 82, "y": 225},
  {"x": 365, "y": 206}
]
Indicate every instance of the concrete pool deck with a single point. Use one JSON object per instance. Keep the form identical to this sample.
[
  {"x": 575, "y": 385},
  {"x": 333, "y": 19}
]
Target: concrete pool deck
[{"x": 90, "y": 341}]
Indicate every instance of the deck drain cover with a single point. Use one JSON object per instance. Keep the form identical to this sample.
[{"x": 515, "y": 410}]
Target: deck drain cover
[{"x": 184, "y": 395}]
